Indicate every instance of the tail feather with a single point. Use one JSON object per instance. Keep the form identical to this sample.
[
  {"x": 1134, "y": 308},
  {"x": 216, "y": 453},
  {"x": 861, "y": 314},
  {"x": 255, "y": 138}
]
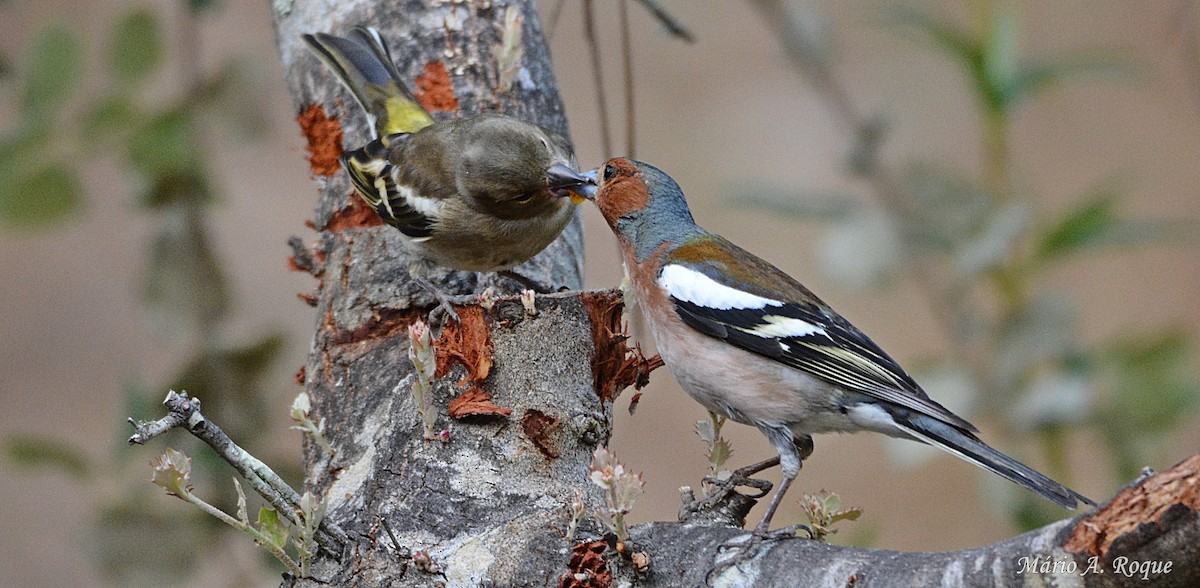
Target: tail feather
[
  {"x": 363, "y": 63},
  {"x": 968, "y": 447}
]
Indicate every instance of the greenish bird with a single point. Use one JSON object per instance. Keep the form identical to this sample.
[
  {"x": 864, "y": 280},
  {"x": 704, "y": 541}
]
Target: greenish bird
[{"x": 481, "y": 193}]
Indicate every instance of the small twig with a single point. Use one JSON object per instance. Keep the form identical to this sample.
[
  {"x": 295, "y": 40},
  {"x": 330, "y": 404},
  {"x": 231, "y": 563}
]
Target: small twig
[
  {"x": 1186, "y": 21},
  {"x": 669, "y": 22},
  {"x": 182, "y": 408},
  {"x": 589, "y": 28},
  {"x": 401, "y": 551},
  {"x": 627, "y": 58},
  {"x": 552, "y": 20}
]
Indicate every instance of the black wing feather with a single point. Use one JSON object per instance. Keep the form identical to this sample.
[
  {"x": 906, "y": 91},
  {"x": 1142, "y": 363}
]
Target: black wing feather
[
  {"x": 368, "y": 168},
  {"x": 840, "y": 354}
]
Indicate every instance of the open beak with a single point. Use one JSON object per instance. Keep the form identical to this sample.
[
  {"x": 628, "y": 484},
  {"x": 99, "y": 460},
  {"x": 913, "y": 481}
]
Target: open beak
[{"x": 566, "y": 182}]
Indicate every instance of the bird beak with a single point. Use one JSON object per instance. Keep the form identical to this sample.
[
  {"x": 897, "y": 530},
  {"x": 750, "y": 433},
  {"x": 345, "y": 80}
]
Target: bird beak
[{"x": 564, "y": 181}]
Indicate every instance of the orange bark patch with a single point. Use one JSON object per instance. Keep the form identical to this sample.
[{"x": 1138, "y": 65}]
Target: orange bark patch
[
  {"x": 538, "y": 426},
  {"x": 385, "y": 322},
  {"x": 1136, "y": 513},
  {"x": 324, "y": 135},
  {"x": 615, "y": 366},
  {"x": 357, "y": 215},
  {"x": 466, "y": 342},
  {"x": 588, "y": 568},
  {"x": 476, "y": 402},
  {"x": 435, "y": 93},
  {"x": 300, "y": 375},
  {"x": 309, "y": 298}
]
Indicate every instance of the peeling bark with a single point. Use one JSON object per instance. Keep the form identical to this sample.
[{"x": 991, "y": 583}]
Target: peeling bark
[{"x": 491, "y": 506}]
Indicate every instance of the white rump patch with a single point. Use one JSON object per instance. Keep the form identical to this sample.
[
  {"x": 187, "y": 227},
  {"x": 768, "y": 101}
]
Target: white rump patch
[
  {"x": 872, "y": 417},
  {"x": 692, "y": 286}
]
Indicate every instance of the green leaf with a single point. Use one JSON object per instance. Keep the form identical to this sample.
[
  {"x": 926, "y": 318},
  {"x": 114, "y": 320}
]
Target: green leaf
[
  {"x": 172, "y": 472},
  {"x": 182, "y": 188},
  {"x": 1151, "y": 385},
  {"x": 39, "y": 452},
  {"x": 234, "y": 98},
  {"x": 791, "y": 203},
  {"x": 197, "y": 6},
  {"x": 1095, "y": 224},
  {"x": 242, "y": 514},
  {"x": 230, "y": 380},
  {"x": 1000, "y": 55},
  {"x": 109, "y": 118},
  {"x": 41, "y": 196},
  {"x": 1036, "y": 76},
  {"x": 185, "y": 285},
  {"x": 52, "y": 70},
  {"x": 165, "y": 145},
  {"x": 137, "y": 46},
  {"x": 945, "y": 36},
  {"x": 271, "y": 526}
]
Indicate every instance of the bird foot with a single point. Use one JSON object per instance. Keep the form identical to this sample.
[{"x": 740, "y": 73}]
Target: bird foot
[
  {"x": 723, "y": 504},
  {"x": 445, "y": 308},
  {"x": 744, "y": 548}
]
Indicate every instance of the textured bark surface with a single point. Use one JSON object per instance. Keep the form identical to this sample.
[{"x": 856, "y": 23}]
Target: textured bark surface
[{"x": 490, "y": 506}]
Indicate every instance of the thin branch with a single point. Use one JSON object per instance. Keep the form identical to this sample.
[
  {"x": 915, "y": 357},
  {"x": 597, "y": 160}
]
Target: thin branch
[
  {"x": 552, "y": 20},
  {"x": 181, "y": 409},
  {"x": 627, "y": 59},
  {"x": 672, "y": 24},
  {"x": 1147, "y": 534},
  {"x": 1188, "y": 28},
  {"x": 589, "y": 28}
]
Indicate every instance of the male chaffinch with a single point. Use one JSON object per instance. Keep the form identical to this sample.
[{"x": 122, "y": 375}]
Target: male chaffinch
[
  {"x": 750, "y": 343},
  {"x": 482, "y": 193}
]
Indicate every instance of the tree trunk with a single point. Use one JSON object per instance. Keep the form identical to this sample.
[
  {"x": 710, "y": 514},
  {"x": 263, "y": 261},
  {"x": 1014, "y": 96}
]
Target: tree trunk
[{"x": 491, "y": 505}]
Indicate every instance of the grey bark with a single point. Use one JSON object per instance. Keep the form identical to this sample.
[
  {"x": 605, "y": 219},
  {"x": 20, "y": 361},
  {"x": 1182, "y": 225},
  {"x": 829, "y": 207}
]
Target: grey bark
[{"x": 490, "y": 506}]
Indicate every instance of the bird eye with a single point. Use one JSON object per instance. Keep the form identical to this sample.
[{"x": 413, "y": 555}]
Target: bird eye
[
  {"x": 524, "y": 198},
  {"x": 609, "y": 172}
]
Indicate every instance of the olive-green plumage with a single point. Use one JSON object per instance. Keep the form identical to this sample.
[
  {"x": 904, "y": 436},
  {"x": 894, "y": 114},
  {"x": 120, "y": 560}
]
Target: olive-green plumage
[{"x": 481, "y": 193}]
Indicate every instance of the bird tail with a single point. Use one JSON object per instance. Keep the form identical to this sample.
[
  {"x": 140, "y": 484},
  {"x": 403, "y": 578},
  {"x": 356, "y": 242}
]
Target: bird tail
[
  {"x": 363, "y": 63},
  {"x": 968, "y": 447}
]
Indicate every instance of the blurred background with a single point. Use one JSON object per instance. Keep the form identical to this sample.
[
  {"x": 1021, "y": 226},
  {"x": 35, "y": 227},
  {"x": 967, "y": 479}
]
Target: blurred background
[{"x": 1003, "y": 195}]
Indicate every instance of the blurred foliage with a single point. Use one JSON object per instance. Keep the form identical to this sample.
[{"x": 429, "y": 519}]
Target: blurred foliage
[
  {"x": 34, "y": 452},
  {"x": 989, "y": 251},
  {"x": 160, "y": 144}
]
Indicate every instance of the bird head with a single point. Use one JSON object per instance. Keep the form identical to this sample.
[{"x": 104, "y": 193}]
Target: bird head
[
  {"x": 643, "y": 205},
  {"x": 515, "y": 170}
]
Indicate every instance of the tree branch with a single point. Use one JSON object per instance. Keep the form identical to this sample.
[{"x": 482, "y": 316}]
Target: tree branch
[
  {"x": 1149, "y": 531},
  {"x": 183, "y": 409}
]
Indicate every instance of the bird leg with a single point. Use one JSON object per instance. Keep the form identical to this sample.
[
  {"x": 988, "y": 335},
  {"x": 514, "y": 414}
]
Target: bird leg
[
  {"x": 721, "y": 488},
  {"x": 444, "y": 306},
  {"x": 765, "y": 524},
  {"x": 745, "y": 550}
]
